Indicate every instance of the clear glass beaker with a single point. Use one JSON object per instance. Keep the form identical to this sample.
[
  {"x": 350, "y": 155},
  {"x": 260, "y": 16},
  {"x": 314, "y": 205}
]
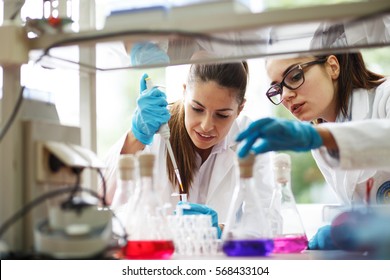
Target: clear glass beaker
[
  {"x": 247, "y": 231},
  {"x": 149, "y": 236},
  {"x": 292, "y": 237}
]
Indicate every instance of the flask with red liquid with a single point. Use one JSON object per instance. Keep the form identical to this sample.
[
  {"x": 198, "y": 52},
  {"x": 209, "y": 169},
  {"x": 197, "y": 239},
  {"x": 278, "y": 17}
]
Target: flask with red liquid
[
  {"x": 247, "y": 231},
  {"x": 149, "y": 236},
  {"x": 291, "y": 237}
]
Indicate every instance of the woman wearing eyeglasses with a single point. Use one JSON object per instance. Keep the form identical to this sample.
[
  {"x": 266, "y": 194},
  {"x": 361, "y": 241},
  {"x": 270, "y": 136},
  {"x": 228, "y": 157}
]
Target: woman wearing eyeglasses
[{"x": 344, "y": 110}]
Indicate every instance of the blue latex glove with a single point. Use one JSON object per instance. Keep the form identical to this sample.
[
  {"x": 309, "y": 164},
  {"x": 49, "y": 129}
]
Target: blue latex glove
[
  {"x": 322, "y": 240},
  {"x": 147, "y": 53},
  {"x": 200, "y": 209},
  {"x": 278, "y": 134},
  {"x": 150, "y": 114}
]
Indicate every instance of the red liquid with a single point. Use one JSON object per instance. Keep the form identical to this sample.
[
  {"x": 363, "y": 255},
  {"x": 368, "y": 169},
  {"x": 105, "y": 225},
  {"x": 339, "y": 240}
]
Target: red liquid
[
  {"x": 290, "y": 244},
  {"x": 148, "y": 249}
]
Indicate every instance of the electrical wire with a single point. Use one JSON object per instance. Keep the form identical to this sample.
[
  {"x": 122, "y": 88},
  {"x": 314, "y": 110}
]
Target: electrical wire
[
  {"x": 76, "y": 187},
  {"x": 16, "y": 109},
  {"x": 13, "y": 115},
  {"x": 19, "y": 5},
  {"x": 104, "y": 199},
  {"x": 40, "y": 199},
  {"x": 29, "y": 206}
]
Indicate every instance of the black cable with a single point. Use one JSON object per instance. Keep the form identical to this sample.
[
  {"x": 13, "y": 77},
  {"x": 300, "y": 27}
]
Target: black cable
[
  {"x": 76, "y": 187},
  {"x": 170, "y": 33},
  {"x": 104, "y": 201},
  {"x": 174, "y": 33},
  {"x": 28, "y": 207},
  {"x": 14, "y": 113},
  {"x": 17, "y": 10},
  {"x": 19, "y": 214}
]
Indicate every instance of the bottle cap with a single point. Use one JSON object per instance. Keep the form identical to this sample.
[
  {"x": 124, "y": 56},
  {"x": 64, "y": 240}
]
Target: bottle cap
[
  {"x": 246, "y": 166},
  {"x": 282, "y": 167},
  {"x": 146, "y": 164},
  {"x": 126, "y": 165},
  {"x": 282, "y": 160}
]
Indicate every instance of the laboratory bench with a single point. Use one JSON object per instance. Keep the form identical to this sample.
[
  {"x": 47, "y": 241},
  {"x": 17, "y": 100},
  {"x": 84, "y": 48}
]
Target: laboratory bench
[{"x": 304, "y": 255}]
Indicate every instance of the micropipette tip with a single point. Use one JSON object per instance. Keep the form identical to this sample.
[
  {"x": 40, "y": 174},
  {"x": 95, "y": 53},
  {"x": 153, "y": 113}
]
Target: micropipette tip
[
  {"x": 183, "y": 197},
  {"x": 179, "y": 179}
]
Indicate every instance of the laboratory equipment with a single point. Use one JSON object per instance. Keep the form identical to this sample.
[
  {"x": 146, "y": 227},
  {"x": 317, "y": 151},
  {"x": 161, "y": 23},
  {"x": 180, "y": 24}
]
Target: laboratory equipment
[
  {"x": 193, "y": 235},
  {"x": 247, "y": 232},
  {"x": 149, "y": 236},
  {"x": 76, "y": 226},
  {"x": 291, "y": 238},
  {"x": 126, "y": 184},
  {"x": 80, "y": 230},
  {"x": 363, "y": 228},
  {"x": 165, "y": 134}
]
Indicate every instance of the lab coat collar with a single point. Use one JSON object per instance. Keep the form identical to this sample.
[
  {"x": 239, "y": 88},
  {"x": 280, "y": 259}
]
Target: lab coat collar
[
  {"x": 228, "y": 142},
  {"x": 220, "y": 147}
]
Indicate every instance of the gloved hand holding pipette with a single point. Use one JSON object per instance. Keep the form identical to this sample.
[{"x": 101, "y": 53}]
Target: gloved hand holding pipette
[
  {"x": 151, "y": 112},
  {"x": 200, "y": 209},
  {"x": 278, "y": 134}
]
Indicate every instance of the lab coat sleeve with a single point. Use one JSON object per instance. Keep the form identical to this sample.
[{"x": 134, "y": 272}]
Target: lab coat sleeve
[
  {"x": 362, "y": 144},
  {"x": 110, "y": 171}
]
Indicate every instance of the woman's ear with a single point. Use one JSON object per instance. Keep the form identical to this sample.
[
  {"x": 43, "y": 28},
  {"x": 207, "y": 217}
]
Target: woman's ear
[
  {"x": 184, "y": 90},
  {"x": 334, "y": 66},
  {"x": 241, "y": 107}
]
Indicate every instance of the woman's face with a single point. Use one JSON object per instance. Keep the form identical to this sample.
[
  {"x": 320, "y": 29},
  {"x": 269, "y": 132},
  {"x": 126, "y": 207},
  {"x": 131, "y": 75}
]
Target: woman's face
[
  {"x": 210, "y": 111},
  {"x": 316, "y": 97}
]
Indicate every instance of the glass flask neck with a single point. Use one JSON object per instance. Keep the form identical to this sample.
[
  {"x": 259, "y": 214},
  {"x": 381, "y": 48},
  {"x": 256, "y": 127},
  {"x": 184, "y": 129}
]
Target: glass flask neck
[{"x": 146, "y": 183}]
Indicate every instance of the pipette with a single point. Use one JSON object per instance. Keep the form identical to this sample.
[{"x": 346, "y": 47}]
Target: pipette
[{"x": 166, "y": 133}]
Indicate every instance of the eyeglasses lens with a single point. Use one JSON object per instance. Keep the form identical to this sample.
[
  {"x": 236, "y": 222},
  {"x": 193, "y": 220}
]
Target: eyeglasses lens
[
  {"x": 275, "y": 94},
  {"x": 294, "y": 79}
]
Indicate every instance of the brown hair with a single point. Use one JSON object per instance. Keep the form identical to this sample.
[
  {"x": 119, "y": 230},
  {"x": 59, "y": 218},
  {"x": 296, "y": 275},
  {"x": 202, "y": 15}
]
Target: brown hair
[
  {"x": 353, "y": 75},
  {"x": 229, "y": 75}
]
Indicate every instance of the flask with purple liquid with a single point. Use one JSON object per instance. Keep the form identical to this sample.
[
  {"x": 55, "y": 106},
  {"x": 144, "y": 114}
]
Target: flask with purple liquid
[{"x": 247, "y": 231}]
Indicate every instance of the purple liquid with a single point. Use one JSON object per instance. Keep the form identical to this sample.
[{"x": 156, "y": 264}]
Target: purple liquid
[
  {"x": 290, "y": 244},
  {"x": 242, "y": 248}
]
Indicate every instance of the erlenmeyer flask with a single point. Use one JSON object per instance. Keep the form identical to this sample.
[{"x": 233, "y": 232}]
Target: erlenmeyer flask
[
  {"x": 292, "y": 237},
  {"x": 125, "y": 189},
  {"x": 149, "y": 236},
  {"x": 247, "y": 231}
]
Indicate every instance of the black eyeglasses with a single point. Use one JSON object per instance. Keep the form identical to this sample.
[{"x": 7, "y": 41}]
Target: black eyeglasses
[{"x": 293, "y": 79}]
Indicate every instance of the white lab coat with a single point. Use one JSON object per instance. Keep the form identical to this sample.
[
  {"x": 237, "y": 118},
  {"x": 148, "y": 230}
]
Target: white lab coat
[
  {"x": 364, "y": 148},
  {"x": 216, "y": 179}
]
